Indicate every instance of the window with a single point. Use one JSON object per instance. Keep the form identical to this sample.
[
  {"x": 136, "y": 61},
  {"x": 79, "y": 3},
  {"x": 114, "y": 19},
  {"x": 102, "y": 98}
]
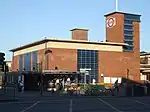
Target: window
[
  {"x": 88, "y": 59},
  {"x": 129, "y": 42},
  {"x": 128, "y": 32},
  {"x": 144, "y": 60},
  {"x": 128, "y": 35},
  {"x": 79, "y": 53},
  {"x": 87, "y": 65},
  {"x": 128, "y": 49},
  {"x": 132, "y": 17},
  {"x": 79, "y": 59},
  {"x": 27, "y": 61},
  {"x": 83, "y": 54},
  {"x": 127, "y": 21},
  {"x": 128, "y": 38},
  {"x": 20, "y": 62},
  {"x": 34, "y": 59},
  {"x": 128, "y": 27}
]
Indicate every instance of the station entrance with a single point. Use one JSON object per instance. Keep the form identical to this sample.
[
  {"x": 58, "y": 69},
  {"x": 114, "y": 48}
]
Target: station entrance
[{"x": 34, "y": 80}]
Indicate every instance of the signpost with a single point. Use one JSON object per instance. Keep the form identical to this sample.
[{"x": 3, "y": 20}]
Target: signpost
[{"x": 86, "y": 72}]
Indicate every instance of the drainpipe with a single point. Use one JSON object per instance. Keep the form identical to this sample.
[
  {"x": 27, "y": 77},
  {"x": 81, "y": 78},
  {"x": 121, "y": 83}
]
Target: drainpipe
[
  {"x": 45, "y": 59},
  {"x": 12, "y": 68}
]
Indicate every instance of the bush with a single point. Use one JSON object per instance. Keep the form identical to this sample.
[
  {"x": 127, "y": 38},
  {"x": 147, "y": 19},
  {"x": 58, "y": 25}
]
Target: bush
[
  {"x": 93, "y": 89},
  {"x": 97, "y": 87}
]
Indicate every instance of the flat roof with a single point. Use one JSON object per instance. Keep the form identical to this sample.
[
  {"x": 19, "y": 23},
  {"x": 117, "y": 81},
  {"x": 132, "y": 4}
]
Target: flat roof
[
  {"x": 60, "y": 72},
  {"x": 146, "y": 71},
  {"x": 83, "y": 29},
  {"x": 144, "y": 54},
  {"x": 68, "y": 41},
  {"x": 120, "y": 13}
]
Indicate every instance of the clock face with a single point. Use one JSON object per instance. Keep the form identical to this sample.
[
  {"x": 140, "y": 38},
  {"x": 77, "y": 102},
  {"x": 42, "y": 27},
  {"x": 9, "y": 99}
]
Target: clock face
[{"x": 111, "y": 22}]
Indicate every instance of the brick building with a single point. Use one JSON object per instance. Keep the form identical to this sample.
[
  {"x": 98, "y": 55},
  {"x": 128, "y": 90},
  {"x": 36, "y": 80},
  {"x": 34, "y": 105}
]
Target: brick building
[
  {"x": 145, "y": 66},
  {"x": 118, "y": 57}
]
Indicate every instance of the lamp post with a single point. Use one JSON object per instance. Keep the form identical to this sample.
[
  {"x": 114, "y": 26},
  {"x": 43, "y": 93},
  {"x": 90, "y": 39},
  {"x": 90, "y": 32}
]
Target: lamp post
[
  {"x": 41, "y": 73},
  {"x": 45, "y": 67},
  {"x": 46, "y": 51},
  {"x": 41, "y": 77}
]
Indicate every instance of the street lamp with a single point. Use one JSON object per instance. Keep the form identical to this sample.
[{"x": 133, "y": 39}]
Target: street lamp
[
  {"x": 41, "y": 73},
  {"x": 47, "y": 51}
]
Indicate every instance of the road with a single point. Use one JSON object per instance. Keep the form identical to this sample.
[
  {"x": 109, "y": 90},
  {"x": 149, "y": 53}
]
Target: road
[{"x": 78, "y": 104}]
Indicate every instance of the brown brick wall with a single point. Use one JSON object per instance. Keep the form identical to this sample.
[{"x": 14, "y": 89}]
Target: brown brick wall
[
  {"x": 117, "y": 63},
  {"x": 64, "y": 59},
  {"x": 113, "y": 64},
  {"x": 116, "y": 33},
  {"x": 15, "y": 63},
  {"x": 40, "y": 57},
  {"x": 136, "y": 38},
  {"x": 79, "y": 34}
]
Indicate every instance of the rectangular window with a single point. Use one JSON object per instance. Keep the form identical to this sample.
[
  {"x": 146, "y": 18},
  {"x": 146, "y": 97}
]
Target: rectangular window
[
  {"x": 79, "y": 59},
  {"x": 87, "y": 65},
  {"x": 83, "y": 60},
  {"x": 128, "y": 49},
  {"x": 83, "y": 54},
  {"x": 129, "y": 42},
  {"x": 128, "y": 32},
  {"x": 127, "y": 22},
  {"x": 34, "y": 60},
  {"x": 92, "y": 60},
  {"x": 128, "y": 27},
  {"x": 20, "y": 62},
  {"x": 128, "y": 38},
  {"x": 79, "y": 54},
  {"x": 27, "y": 61},
  {"x": 88, "y": 59},
  {"x": 128, "y": 35},
  {"x": 132, "y": 17},
  {"x": 83, "y": 65}
]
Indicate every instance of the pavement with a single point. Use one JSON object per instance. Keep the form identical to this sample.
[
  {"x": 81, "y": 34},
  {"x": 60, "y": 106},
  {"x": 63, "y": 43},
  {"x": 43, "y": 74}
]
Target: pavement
[{"x": 76, "y": 104}]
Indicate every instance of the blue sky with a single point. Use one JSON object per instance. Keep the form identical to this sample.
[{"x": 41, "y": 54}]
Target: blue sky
[{"x": 25, "y": 21}]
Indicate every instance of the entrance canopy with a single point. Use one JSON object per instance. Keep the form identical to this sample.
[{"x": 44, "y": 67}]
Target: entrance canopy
[
  {"x": 64, "y": 72},
  {"x": 54, "y": 74}
]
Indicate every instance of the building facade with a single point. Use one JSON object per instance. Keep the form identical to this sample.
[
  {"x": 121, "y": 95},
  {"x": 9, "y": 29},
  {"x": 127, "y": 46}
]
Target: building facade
[
  {"x": 108, "y": 60},
  {"x": 9, "y": 64},
  {"x": 145, "y": 66}
]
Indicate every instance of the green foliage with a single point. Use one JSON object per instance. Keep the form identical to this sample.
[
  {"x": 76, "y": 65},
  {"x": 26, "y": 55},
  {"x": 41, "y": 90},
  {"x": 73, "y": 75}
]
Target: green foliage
[
  {"x": 92, "y": 89},
  {"x": 97, "y": 87},
  {"x": 81, "y": 86}
]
